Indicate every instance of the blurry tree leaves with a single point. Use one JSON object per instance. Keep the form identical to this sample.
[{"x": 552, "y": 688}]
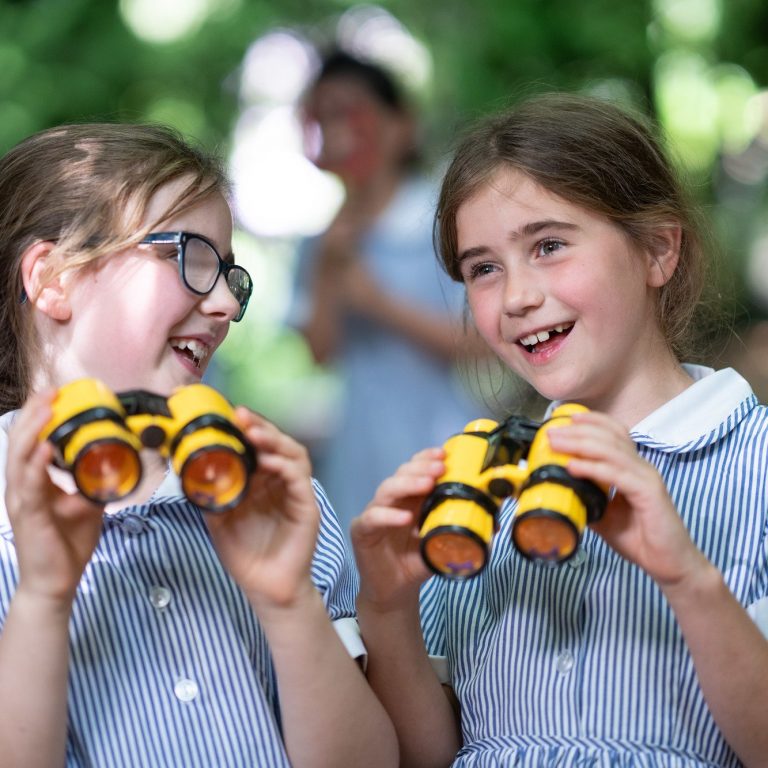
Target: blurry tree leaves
[
  {"x": 64, "y": 60},
  {"x": 75, "y": 60}
]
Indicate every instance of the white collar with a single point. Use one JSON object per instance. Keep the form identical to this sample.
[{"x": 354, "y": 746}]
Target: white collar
[{"x": 697, "y": 411}]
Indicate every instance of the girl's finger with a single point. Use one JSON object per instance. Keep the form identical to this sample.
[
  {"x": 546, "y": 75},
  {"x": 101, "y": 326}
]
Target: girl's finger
[
  {"x": 25, "y": 432},
  {"x": 267, "y": 439},
  {"x": 375, "y": 519},
  {"x": 429, "y": 454},
  {"x": 426, "y": 466},
  {"x": 396, "y": 489},
  {"x": 590, "y": 443}
]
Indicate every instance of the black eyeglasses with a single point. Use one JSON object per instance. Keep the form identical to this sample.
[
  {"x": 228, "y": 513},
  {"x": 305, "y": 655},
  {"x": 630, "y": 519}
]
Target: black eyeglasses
[{"x": 200, "y": 266}]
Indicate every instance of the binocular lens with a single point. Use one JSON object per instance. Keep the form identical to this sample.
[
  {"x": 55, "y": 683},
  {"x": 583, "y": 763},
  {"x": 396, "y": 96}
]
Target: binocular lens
[
  {"x": 455, "y": 535},
  {"x": 214, "y": 478},
  {"x": 107, "y": 470},
  {"x": 454, "y": 554},
  {"x": 545, "y": 537}
]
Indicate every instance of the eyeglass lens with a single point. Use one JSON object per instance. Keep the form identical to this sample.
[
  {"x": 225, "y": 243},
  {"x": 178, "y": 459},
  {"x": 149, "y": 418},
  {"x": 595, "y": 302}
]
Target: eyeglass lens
[
  {"x": 201, "y": 270},
  {"x": 201, "y": 265}
]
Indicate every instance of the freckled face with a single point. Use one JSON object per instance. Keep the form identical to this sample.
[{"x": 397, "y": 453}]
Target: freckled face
[
  {"x": 559, "y": 293},
  {"x": 134, "y": 324}
]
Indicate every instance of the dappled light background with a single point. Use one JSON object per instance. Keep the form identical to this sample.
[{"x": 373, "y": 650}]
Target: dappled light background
[{"x": 230, "y": 73}]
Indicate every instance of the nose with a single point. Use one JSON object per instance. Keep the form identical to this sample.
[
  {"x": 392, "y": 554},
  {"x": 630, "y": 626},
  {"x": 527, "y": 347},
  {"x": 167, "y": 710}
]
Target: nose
[
  {"x": 220, "y": 301},
  {"x": 522, "y": 292}
]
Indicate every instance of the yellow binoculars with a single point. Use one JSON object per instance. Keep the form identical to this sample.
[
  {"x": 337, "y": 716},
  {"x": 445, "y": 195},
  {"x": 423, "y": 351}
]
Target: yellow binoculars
[
  {"x": 98, "y": 434},
  {"x": 489, "y": 462}
]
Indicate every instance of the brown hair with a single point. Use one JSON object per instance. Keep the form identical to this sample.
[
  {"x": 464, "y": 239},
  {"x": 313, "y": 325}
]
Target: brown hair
[
  {"x": 86, "y": 188},
  {"x": 595, "y": 155}
]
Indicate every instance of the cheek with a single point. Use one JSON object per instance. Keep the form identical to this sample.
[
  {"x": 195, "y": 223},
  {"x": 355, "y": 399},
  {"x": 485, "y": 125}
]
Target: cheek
[{"x": 485, "y": 314}]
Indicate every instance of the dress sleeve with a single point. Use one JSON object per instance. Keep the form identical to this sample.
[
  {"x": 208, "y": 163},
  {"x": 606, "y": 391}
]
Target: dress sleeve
[{"x": 335, "y": 576}]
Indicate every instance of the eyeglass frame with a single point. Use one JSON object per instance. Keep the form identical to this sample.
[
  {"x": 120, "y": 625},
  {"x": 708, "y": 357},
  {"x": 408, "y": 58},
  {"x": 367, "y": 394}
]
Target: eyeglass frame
[{"x": 180, "y": 239}]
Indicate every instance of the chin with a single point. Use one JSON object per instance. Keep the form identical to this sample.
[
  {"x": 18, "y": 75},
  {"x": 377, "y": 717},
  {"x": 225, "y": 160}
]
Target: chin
[{"x": 553, "y": 390}]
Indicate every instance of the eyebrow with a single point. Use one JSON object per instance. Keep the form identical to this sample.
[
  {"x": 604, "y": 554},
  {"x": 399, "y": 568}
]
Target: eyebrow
[{"x": 528, "y": 230}]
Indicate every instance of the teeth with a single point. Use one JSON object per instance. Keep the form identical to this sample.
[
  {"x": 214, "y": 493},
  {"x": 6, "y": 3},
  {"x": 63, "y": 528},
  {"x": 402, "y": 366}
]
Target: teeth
[
  {"x": 534, "y": 338},
  {"x": 199, "y": 351}
]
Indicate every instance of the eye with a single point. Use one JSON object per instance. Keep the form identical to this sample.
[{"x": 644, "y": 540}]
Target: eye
[
  {"x": 160, "y": 250},
  {"x": 479, "y": 269},
  {"x": 167, "y": 251},
  {"x": 548, "y": 246}
]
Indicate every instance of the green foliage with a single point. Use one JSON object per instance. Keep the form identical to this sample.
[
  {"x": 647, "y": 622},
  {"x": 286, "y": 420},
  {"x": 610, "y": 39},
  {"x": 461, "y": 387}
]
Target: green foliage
[
  {"x": 64, "y": 60},
  {"x": 75, "y": 60}
]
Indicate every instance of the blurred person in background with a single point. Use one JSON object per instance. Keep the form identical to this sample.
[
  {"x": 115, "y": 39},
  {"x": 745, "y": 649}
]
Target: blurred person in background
[
  {"x": 741, "y": 190},
  {"x": 370, "y": 297}
]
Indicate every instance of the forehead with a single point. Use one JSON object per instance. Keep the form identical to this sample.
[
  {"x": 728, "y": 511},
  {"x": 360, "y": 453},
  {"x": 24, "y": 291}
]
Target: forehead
[
  {"x": 339, "y": 93},
  {"x": 210, "y": 216},
  {"x": 164, "y": 200},
  {"x": 509, "y": 192},
  {"x": 169, "y": 206}
]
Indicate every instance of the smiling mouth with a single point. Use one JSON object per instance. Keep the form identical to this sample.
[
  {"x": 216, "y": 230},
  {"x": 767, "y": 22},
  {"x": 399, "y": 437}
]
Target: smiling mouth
[
  {"x": 535, "y": 341},
  {"x": 192, "y": 350}
]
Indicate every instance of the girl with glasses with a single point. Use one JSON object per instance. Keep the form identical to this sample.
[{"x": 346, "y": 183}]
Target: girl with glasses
[{"x": 146, "y": 632}]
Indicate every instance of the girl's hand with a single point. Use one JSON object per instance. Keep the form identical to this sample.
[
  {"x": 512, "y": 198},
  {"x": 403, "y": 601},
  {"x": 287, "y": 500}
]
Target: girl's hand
[
  {"x": 267, "y": 541},
  {"x": 640, "y": 522},
  {"x": 385, "y": 537},
  {"x": 340, "y": 243},
  {"x": 359, "y": 292},
  {"x": 55, "y": 533}
]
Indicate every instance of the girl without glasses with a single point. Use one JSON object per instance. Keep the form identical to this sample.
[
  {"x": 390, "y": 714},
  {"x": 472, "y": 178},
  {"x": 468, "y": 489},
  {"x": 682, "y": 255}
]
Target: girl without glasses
[
  {"x": 583, "y": 268},
  {"x": 147, "y": 632}
]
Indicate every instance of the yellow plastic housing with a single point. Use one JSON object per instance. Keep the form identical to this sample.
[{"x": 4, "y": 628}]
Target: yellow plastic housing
[
  {"x": 210, "y": 461},
  {"x": 550, "y": 517},
  {"x": 104, "y": 460},
  {"x": 99, "y": 443},
  {"x": 456, "y": 537},
  {"x": 98, "y": 449},
  {"x": 456, "y": 532},
  {"x": 549, "y": 521},
  {"x": 212, "y": 467}
]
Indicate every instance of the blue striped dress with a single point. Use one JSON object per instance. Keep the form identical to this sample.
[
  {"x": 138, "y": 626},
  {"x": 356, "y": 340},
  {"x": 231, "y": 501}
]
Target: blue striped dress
[
  {"x": 584, "y": 664},
  {"x": 169, "y": 666}
]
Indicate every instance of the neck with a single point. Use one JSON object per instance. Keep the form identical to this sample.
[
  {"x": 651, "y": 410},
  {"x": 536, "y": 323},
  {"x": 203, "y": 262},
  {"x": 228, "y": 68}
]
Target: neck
[{"x": 662, "y": 379}]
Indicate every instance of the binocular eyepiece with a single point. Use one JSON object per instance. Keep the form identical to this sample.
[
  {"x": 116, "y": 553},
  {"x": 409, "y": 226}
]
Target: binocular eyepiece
[
  {"x": 98, "y": 435},
  {"x": 489, "y": 462}
]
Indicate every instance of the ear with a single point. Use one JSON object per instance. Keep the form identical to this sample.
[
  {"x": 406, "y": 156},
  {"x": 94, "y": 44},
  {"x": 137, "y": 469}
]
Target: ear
[
  {"x": 47, "y": 294},
  {"x": 664, "y": 254}
]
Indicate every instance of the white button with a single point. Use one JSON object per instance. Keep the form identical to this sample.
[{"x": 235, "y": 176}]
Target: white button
[
  {"x": 159, "y": 596},
  {"x": 565, "y": 662},
  {"x": 579, "y": 556},
  {"x": 185, "y": 689}
]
